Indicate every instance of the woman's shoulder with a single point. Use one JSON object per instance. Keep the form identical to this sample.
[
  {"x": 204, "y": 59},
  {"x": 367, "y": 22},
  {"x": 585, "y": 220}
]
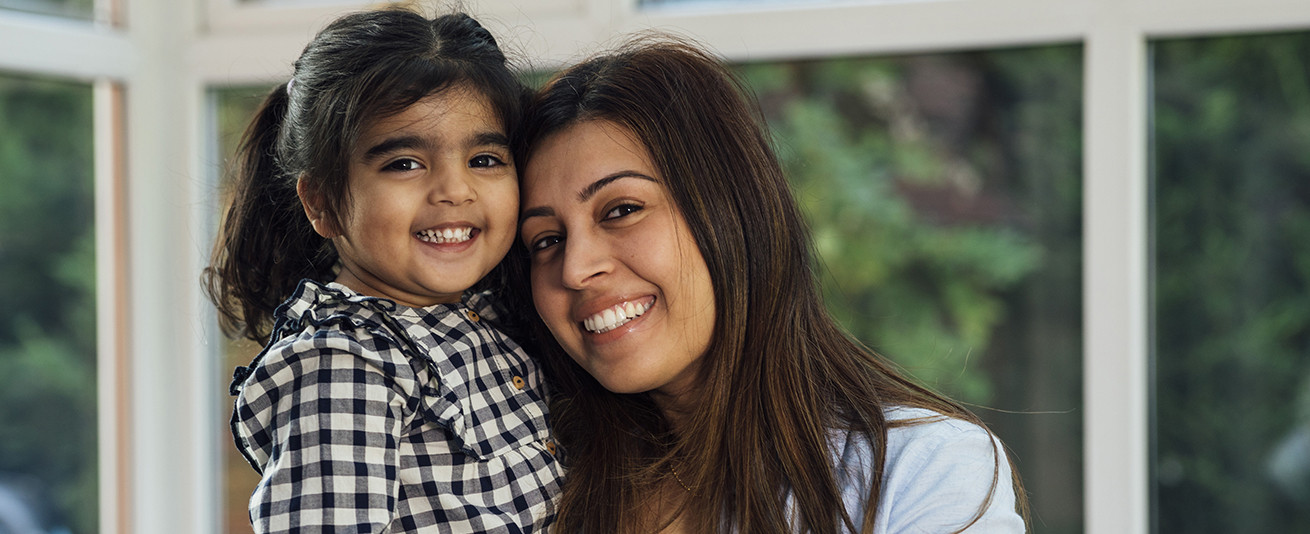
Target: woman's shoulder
[
  {"x": 917, "y": 429},
  {"x": 939, "y": 469},
  {"x": 915, "y": 432}
]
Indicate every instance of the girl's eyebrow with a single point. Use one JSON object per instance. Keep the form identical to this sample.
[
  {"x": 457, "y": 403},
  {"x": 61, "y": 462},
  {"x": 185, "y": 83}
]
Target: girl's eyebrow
[
  {"x": 394, "y": 144},
  {"x": 586, "y": 193},
  {"x": 492, "y": 138},
  {"x": 418, "y": 142}
]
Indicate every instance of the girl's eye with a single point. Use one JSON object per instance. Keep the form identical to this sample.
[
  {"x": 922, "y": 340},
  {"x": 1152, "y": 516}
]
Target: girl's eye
[
  {"x": 403, "y": 165},
  {"x": 622, "y": 210},
  {"x": 485, "y": 160},
  {"x": 544, "y": 243}
]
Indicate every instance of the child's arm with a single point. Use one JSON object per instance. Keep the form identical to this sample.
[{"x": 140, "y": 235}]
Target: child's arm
[{"x": 335, "y": 417}]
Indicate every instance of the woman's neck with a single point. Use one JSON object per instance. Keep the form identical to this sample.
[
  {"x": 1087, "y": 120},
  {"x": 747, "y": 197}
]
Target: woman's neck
[
  {"x": 677, "y": 409},
  {"x": 678, "y": 399},
  {"x": 668, "y": 508}
]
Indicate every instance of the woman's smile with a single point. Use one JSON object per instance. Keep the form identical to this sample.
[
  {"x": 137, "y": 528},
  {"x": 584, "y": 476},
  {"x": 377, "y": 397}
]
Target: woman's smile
[{"x": 617, "y": 315}]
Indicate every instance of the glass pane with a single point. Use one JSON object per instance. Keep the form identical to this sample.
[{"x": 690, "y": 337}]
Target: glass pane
[
  {"x": 233, "y": 108},
  {"x": 73, "y": 9},
  {"x": 1231, "y": 128},
  {"x": 945, "y": 196},
  {"x": 48, "y": 477}
]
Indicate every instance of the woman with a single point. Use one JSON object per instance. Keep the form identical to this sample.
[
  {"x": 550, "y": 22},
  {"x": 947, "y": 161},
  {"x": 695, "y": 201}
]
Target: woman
[{"x": 701, "y": 385}]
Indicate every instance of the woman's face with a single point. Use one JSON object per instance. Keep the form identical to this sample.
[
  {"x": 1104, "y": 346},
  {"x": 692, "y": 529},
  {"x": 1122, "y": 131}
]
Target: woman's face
[{"x": 616, "y": 274}]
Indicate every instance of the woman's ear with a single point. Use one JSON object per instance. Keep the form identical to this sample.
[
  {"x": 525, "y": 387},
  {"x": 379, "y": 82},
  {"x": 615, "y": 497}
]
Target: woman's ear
[{"x": 312, "y": 202}]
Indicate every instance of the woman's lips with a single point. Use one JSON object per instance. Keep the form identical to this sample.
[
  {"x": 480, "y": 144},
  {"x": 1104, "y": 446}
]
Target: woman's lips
[{"x": 617, "y": 315}]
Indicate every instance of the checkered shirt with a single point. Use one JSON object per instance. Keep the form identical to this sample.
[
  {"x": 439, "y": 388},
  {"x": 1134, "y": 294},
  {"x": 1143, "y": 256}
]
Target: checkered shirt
[{"x": 365, "y": 416}]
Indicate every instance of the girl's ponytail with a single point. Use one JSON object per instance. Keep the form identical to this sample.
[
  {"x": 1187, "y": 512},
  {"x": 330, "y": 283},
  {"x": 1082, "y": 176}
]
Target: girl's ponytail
[{"x": 266, "y": 244}]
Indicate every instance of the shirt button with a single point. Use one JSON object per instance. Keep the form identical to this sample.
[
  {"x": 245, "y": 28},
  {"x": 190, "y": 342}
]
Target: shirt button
[
  {"x": 473, "y": 316},
  {"x": 518, "y": 382},
  {"x": 550, "y": 446}
]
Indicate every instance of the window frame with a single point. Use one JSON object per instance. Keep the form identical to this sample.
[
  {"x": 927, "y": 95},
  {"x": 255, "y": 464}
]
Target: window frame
[{"x": 159, "y": 448}]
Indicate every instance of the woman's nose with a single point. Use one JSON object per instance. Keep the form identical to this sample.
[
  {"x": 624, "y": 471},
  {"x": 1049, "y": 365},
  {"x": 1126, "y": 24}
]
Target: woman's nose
[{"x": 586, "y": 260}]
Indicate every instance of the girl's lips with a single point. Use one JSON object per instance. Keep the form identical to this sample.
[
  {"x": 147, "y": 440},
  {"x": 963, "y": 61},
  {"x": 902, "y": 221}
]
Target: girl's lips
[{"x": 447, "y": 235}]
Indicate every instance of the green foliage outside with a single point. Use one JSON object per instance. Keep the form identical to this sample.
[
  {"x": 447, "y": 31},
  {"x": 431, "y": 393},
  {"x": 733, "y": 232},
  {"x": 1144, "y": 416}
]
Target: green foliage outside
[
  {"x": 944, "y": 193},
  {"x": 47, "y": 279},
  {"x": 1232, "y": 198}
]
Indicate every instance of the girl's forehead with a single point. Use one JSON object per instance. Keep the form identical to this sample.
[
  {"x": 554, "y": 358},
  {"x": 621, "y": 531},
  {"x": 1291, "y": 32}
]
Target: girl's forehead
[
  {"x": 450, "y": 97},
  {"x": 451, "y": 115}
]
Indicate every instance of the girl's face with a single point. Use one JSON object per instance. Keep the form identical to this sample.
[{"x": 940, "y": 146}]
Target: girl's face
[
  {"x": 616, "y": 274},
  {"x": 433, "y": 201}
]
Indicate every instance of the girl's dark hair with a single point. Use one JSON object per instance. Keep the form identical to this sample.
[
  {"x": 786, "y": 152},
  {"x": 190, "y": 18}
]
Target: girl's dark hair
[
  {"x": 360, "y": 68},
  {"x": 779, "y": 373}
]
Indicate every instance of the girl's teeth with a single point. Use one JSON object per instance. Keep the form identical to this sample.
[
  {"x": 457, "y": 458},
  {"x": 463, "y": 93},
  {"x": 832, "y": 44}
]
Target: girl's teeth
[
  {"x": 614, "y": 317},
  {"x": 447, "y": 235}
]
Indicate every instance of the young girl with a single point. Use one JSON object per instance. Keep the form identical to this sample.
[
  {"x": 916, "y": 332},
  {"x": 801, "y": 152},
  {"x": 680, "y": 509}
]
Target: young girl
[{"x": 376, "y": 198}]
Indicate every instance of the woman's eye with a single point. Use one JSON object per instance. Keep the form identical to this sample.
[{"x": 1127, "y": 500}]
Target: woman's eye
[
  {"x": 622, "y": 210},
  {"x": 485, "y": 160},
  {"x": 544, "y": 243},
  {"x": 403, "y": 165}
]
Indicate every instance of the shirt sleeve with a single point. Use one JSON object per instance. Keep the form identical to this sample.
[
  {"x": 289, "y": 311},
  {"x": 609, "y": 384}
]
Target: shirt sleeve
[
  {"x": 337, "y": 419},
  {"x": 941, "y": 474}
]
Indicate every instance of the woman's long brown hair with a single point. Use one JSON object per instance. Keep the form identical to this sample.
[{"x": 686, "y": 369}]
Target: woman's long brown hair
[{"x": 779, "y": 375}]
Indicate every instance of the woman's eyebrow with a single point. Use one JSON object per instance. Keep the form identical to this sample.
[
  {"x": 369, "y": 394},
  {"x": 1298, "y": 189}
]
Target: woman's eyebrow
[
  {"x": 596, "y": 186},
  {"x": 586, "y": 193},
  {"x": 539, "y": 211}
]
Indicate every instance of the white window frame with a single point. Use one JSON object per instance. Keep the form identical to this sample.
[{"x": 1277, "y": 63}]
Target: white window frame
[{"x": 159, "y": 443}]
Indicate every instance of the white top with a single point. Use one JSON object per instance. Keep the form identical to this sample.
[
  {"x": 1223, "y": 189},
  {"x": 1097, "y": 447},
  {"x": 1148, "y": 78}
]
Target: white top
[{"x": 937, "y": 477}]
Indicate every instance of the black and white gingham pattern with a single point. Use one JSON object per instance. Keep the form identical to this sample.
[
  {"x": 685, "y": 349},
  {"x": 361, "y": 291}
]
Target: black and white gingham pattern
[{"x": 363, "y": 416}]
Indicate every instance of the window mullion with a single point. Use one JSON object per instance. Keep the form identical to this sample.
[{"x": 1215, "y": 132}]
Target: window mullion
[{"x": 1116, "y": 365}]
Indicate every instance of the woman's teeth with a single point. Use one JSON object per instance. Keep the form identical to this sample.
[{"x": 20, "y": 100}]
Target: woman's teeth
[
  {"x": 446, "y": 235},
  {"x": 615, "y": 316}
]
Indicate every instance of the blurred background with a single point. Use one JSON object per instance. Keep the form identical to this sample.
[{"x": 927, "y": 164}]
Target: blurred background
[{"x": 1087, "y": 220}]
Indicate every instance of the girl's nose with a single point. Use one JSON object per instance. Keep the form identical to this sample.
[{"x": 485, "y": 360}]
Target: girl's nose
[{"x": 453, "y": 186}]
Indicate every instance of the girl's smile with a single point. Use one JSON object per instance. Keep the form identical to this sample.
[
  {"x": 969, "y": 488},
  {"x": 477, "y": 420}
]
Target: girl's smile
[{"x": 446, "y": 236}]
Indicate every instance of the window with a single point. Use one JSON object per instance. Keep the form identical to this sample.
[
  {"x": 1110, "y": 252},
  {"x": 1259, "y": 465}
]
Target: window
[
  {"x": 1184, "y": 288},
  {"x": 74, "y": 9},
  {"x": 945, "y": 196},
  {"x": 48, "y": 437},
  {"x": 232, "y": 110},
  {"x": 1231, "y": 132}
]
